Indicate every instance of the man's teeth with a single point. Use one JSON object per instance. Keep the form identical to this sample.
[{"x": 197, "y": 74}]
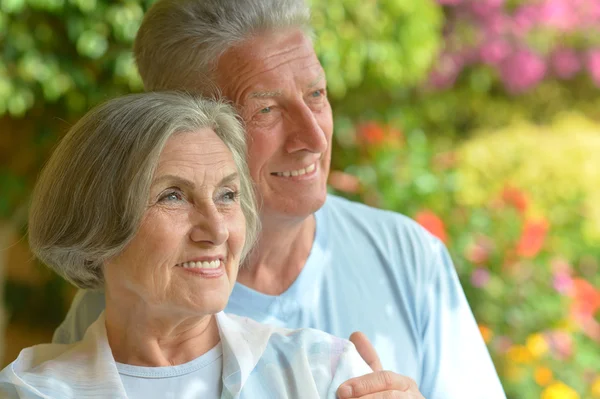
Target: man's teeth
[
  {"x": 298, "y": 172},
  {"x": 202, "y": 265}
]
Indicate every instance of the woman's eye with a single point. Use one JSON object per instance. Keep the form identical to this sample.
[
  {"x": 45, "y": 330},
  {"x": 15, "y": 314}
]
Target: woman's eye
[
  {"x": 317, "y": 93},
  {"x": 230, "y": 196},
  {"x": 171, "y": 196}
]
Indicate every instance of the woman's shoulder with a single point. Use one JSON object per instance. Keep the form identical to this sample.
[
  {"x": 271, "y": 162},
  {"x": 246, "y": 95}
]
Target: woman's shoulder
[
  {"x": 25, "y": 366},
  {"x": 288, "y": 338},
  {"x": 300, "y": 362}
]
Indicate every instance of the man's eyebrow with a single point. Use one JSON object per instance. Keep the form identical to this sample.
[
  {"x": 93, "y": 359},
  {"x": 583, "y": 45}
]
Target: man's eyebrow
[
  {"x": 318, "y": 80},
  {"x": 265, "y": 94}
]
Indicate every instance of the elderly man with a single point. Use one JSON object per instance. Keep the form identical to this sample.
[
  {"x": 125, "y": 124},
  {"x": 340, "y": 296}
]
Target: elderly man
[{"x": 320, "y": 261}]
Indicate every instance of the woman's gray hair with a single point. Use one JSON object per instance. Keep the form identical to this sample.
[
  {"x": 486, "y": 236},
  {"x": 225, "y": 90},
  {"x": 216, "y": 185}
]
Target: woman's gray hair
[
  {"x": 91, "y": 196},
  {"x": 180, "y": 42}
]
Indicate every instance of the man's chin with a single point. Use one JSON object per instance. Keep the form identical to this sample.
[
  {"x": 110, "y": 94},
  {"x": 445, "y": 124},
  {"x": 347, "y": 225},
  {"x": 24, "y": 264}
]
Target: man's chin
[{"x": 299, "y": 207}]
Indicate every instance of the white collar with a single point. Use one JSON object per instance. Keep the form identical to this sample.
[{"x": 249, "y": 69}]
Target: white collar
[{"x": 88, "y": 366}]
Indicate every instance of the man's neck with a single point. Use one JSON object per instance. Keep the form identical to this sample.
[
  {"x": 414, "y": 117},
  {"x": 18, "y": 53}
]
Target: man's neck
[{"x": 279, "y": 256}]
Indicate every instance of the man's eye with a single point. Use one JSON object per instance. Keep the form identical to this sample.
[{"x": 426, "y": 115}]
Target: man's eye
[
  {"x": 265, "y": 110},
  {"x": 317, "y": 93}
]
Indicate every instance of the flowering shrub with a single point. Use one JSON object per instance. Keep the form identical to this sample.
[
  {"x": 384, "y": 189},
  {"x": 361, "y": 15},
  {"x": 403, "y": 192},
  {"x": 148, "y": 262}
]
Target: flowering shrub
[
  {"x": 523, "y": 42},
  {"x": 521, "y": 245},
  {"x": 564, "y": 154}
]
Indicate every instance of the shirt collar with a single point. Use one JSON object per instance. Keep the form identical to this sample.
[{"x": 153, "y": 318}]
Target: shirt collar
[{"x": 53, "y": 370}]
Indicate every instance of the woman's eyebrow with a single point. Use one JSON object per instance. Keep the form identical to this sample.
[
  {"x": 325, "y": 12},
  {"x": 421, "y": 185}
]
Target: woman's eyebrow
[
  {"x": 229, "y": 178},
  {"x": 180, "y": 181}
]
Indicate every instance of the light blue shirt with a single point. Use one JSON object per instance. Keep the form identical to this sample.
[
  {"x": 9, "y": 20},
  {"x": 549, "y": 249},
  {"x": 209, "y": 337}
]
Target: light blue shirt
[
  {"x": 199, "y": 378},
  {"x": 259, "y": 361},
  {"x": 380, "y": 273}
]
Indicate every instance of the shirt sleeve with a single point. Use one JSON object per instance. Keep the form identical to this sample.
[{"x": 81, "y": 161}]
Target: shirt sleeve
[
  {"x": 456, "y": 362},
  {"x": 350, "y": 365},
  {"x": 85, "y": 309}
]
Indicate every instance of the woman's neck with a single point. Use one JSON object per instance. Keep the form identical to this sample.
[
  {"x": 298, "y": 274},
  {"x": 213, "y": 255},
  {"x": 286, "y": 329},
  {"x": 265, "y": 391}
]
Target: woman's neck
[{"x": 140, "y": 336}]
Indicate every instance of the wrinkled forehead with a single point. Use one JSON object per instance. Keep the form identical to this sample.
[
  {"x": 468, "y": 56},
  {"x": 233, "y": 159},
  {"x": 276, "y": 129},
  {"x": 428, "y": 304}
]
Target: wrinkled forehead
[
  {"x": 268, "y": 60},
  {"x": 192, "y": 153}
]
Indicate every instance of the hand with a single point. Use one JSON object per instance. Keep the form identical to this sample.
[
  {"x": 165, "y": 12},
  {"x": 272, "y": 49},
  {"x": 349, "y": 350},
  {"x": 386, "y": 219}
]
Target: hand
[{"x": 380, "y": 384}]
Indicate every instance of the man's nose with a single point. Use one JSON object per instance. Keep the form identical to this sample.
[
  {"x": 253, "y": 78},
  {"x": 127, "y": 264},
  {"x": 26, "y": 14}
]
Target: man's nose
[{"x": 305, "y": 132}]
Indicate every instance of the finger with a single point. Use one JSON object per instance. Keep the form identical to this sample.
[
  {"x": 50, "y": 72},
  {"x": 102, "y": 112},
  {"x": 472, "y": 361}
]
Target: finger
[
  {"x": 377, "y": 382},
  {"x": 366, "y": 350}
]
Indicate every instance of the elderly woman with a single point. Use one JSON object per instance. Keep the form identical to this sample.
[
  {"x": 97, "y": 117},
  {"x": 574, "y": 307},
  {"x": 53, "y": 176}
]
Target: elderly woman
[{"x": 148, "y": 197}]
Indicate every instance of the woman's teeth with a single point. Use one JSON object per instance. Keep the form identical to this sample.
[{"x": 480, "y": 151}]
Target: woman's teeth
[
  {"x": 201, "y": 265},
  {"x": 298, "y": 172}
]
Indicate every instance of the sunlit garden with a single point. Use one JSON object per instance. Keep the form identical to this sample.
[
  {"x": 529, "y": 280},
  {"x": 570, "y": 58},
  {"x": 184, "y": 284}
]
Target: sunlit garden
[{"x": 480, "y": 119}]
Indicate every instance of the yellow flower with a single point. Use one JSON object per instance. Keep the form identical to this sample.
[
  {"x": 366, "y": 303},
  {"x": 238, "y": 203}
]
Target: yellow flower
[
  {"x": 514, "y": 373},
  {"x": 486, "y": 333},
  {"x": 543, "y": 376},
  {"x": 596, "y": 388},
  {"x": 559, "y": 390},
  {"x": 537, "y": 345},
  {"x": 519, "y": 354}
]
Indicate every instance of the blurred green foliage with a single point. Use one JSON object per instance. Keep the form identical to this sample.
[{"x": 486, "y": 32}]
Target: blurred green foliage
[
  {"x": 74, "y": 53},
  {"x": 421, "y": 157}
]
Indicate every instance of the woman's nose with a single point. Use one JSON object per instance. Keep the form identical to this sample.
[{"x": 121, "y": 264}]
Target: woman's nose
[{"x": 209, "y": 227}]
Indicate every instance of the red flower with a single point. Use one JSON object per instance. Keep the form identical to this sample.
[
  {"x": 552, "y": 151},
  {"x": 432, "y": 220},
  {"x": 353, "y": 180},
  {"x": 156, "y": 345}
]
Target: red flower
[
  {"x": 432, "y": 223},
  {"x": 516, "y": 198},
  {"x": 371, "y": 133},
  {"x": 586, "y": 299},
  {"x": 532, "y": 238}
]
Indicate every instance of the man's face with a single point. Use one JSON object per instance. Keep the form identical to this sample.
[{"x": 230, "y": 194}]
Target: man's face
[{"x": 279, "y": 88}]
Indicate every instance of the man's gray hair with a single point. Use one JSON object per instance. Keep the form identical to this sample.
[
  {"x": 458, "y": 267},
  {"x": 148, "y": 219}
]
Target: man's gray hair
[
  {"x": 91, "y": 196},
  {"x": 180, "y": 41}
]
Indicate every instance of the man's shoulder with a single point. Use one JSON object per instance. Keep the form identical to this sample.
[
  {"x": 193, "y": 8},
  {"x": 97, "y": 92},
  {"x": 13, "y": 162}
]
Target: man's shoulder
[{"x": 357, "y": 218}]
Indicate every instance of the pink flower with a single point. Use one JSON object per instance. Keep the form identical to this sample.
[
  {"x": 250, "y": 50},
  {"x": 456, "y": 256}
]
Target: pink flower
[
  {"x": 562, "y": 282},
  {"x": 521, "y": 71},
  {"x": 479, "y": 251},
  {"x": 480, "y": 277},
  {"x": 561, "y": 344},
  {"x": 559, "y": 14},
  {"x": 494, "y": 51},
  {"x": 524, "y": 19},
  {"x": 593, "y": 65},
  {"x": 486, "y": 8},
  {"x": 446, "y": 71},
  {"x": 449, "y": 2},
  {"x": 497, "y": 24},
  {"x": 565, "y": 63}
]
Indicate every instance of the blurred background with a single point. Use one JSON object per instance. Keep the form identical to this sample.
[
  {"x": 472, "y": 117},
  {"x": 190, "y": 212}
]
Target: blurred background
[{"x": 478, "y": 118}]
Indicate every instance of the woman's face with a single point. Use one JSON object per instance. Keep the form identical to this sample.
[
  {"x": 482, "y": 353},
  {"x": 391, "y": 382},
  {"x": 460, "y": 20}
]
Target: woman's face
[{"x": 185, "y": 256}]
